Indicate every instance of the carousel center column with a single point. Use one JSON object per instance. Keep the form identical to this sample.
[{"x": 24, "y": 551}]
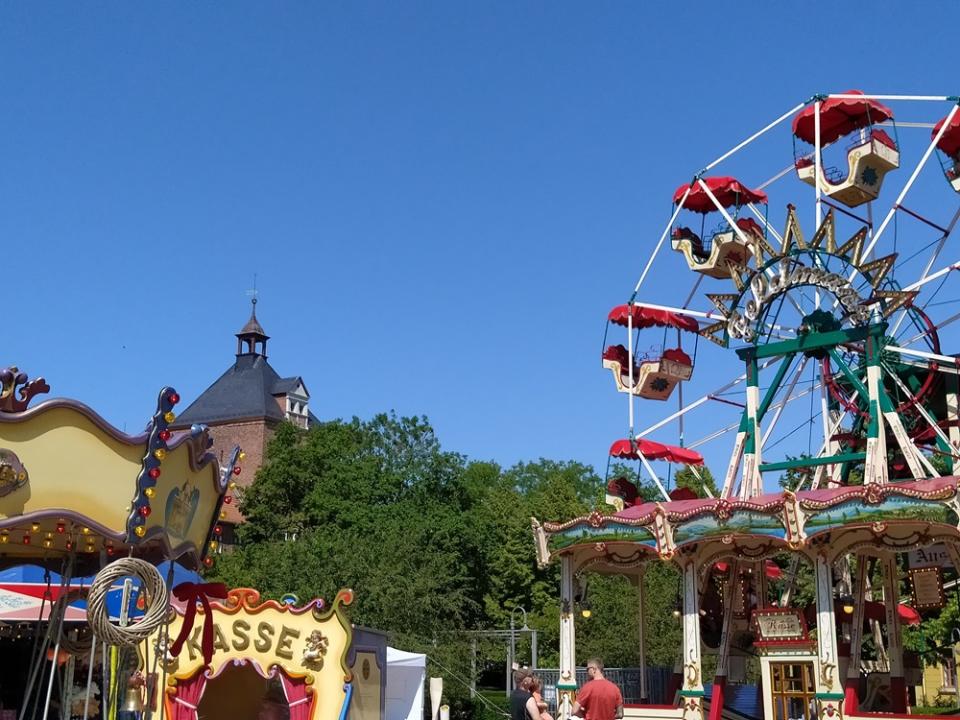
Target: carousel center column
[
  {"x": 691, "y": 692},
  {"x": 567, "y": 684},
  {"x": 828, "y": 686}
]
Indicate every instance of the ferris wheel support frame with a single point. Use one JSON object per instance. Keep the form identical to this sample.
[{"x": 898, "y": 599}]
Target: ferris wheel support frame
[{"x": 751, "y": 443}]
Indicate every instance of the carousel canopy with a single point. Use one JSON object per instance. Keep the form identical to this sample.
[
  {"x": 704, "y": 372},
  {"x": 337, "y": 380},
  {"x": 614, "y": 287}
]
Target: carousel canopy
[
  {"x": 651, "y": 450},
  {"x": 644, "y": 317},
  {"x": 839, "y": 117},
  {"x": 728, "y": 191},
  {"x": 950, "y": 142},
  {"x": 22, "y": 589},
  {"x": 899, "y": 515}
]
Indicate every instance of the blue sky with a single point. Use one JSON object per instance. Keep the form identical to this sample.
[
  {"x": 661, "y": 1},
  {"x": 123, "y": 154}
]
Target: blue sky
[{"x": 441, "y": 201}]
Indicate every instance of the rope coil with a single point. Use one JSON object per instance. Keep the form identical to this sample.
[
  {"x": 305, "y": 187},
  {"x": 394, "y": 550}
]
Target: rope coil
[
  {"x": 75, "y": 645},
  {"x": 156, "y": 594}
]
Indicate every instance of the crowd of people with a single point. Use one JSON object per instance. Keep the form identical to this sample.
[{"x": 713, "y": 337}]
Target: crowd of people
[{"x": 597, "y": 699}]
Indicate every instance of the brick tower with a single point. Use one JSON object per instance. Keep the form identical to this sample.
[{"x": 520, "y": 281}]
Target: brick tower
[{"x": 244, "y": 406}]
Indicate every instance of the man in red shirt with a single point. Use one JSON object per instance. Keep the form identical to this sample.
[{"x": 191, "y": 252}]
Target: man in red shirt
[{"x": 598, "y": 699}]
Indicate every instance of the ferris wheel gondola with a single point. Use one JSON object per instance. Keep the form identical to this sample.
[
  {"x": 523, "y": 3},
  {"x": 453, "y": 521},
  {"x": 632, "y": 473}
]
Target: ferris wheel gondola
[
  {"x": 733, "y": 240},
  {"x": 949, "y": 149},
  {"x": 870, "y": 153},
  {"x": 654, "y": 376}
]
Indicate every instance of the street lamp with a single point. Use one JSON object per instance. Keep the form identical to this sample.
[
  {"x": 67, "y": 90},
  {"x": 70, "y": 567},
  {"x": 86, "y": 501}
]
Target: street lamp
[{"x": 513, "y": 638}]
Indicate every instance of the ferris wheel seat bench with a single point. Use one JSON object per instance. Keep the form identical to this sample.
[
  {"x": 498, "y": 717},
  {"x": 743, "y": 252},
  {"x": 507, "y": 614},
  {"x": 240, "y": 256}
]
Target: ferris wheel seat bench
[
  {"x": 953, "y": 175},
  {"x": 653, "y": 379},
  {"x": 725, "y": 246},
  {"x": 868, "y": 162}
]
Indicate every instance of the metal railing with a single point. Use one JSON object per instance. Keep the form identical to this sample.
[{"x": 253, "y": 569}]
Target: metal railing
[{"x": 627, "y": 679}]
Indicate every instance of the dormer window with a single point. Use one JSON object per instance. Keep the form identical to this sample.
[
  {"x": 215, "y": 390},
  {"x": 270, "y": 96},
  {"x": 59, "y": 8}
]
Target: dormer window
[{"x": 294, "y": 399}]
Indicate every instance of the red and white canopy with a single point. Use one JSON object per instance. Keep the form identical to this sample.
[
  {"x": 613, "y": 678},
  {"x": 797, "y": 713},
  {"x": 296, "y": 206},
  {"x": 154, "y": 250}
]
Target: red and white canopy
[
  {"x": 21, "y": 603},
  {"x": 644, "y": 317},
  {"x": 839, "y": 117},
  {"x": 651, "y": 450},
  {"x": 950, "y": 142},
  {"x": 728, "y": 191}
]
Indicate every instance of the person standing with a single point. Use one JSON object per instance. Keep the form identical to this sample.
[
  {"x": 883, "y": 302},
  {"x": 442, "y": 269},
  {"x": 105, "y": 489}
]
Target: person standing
[
  {"x": 598, "y": 699},
  {"x": 523, "y": 706}
]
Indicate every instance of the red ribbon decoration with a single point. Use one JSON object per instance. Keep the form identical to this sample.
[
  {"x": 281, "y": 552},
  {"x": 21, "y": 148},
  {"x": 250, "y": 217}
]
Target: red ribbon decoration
[{"x": 190, "y": 593}]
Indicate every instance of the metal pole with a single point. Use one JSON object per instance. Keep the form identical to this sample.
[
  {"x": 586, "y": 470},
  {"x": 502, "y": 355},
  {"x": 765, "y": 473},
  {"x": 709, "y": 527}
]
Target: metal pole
[
  {"x": 509, "y": 679},
  {"x": 513, "y": 649},
  {"x": 473, "y": 670},
  {"x": 816, "y": 160},
  {"x": 533, "y": 649}
]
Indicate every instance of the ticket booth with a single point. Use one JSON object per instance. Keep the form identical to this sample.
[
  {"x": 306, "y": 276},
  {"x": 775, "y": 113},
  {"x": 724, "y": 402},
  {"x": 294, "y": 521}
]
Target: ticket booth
[{"x": 788, "y": 663}]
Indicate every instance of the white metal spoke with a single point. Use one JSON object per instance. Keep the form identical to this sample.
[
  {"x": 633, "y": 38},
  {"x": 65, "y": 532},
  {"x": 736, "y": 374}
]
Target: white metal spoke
[
  {"x": 753, "y": 137},
  {"x": 933, "y": 276},
  {"x": 906, "y": 188},
  {"x": 723, "y": 211},
  {"x": 718, "y": 433},
  {"x": 663, "y": 236},
  {"x": 919, "y": 406},
  {"x": 699, "y": 401},
  {"x": 653, "y": 476}
]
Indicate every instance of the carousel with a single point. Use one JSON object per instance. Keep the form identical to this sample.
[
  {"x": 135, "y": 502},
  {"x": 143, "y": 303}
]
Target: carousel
[
  {"x": 120, "y": 626},
  {"x": 831, "y": 404}
]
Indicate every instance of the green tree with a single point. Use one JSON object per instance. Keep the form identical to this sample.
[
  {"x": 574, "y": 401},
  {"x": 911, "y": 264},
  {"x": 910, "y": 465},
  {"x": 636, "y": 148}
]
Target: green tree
[
  {"x": 432, "y": 545},
  {"x": 697, "y": 480}
]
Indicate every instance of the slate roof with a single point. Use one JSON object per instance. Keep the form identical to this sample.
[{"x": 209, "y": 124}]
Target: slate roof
[
  {"x": 289, "y": 384},
  {"x": 245, "y": 391}
]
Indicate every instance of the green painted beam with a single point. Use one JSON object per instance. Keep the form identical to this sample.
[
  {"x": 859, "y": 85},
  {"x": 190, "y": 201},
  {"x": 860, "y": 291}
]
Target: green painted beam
[
  {"x": 848, "y": 374},
  {"x": 811, "y": 341},
  {"x": 774, "y": 386},
  {"x": 812, "y": 462}
]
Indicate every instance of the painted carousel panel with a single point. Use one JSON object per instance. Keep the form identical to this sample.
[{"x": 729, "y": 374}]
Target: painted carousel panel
[{"x": 610, "y": 531}]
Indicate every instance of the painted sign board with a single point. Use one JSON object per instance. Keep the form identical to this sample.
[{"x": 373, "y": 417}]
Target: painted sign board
[
  {"x": 930, "y": 556},
  {"x": 927, "y": 588}
]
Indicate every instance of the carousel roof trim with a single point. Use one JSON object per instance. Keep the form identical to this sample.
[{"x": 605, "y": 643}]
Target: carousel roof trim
[
  {"x": 66, "y": 470},
  {"x": 794, "y": 519}
]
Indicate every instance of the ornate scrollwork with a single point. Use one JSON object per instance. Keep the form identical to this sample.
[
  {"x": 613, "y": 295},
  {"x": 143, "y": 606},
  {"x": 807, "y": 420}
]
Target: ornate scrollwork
[
  {"x": 314, "y": 650},
  {"x": 13, "y": 474},
  {"x": 691, "y": 671},
  {"x": 13, "y": 399},
  {"x": 826, "y": 672}
]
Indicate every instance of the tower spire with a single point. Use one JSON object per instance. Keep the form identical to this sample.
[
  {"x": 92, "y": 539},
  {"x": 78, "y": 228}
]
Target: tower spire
[{"x": 252, "y": 339}]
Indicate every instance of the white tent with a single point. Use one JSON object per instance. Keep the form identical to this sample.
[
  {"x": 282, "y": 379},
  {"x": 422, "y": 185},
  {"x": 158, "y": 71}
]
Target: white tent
[{"x": 405, "y": 676}]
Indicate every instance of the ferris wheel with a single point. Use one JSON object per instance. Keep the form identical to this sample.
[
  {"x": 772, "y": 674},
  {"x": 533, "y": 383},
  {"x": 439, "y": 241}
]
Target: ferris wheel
[{"x": 822, "y": 275}]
